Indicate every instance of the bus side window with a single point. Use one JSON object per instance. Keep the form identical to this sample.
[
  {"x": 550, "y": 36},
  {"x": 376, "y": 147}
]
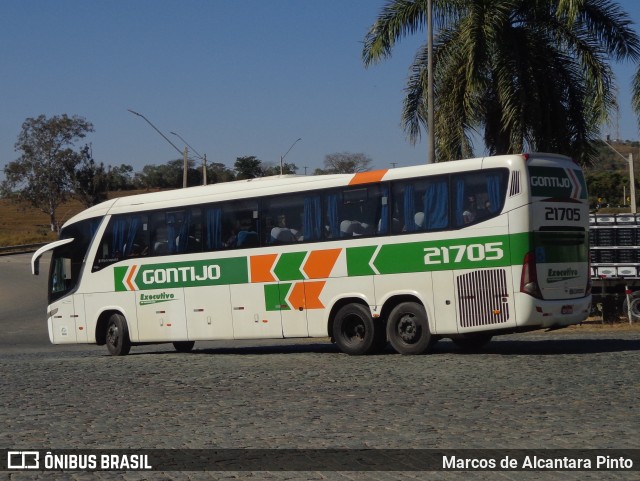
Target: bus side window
[
  {"x": 232, "y": 225},
  {"x": 478, "y": 196},
  {"x": 420, "y": 205},
  {"x": 126, "y": 236},
  {"x": 364, "y": 211},
  {"x": 285, "y": 218}
]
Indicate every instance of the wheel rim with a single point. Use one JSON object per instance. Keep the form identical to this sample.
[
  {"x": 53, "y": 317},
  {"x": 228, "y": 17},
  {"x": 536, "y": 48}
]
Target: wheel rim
[
  {"x": 408, "y": 329},
  {"x": 354, "y": 329},
  {"x": 113, "y": 335},
  {"x": 635, "y": 308}
]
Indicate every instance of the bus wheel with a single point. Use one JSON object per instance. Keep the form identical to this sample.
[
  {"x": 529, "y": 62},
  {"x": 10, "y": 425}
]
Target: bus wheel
[
  {"x": 408, "y": 328},
  {"x": 117, "y": 337},
  {"x": 472, "y": 341},
  {"x": 634, "y": 309},
  {"x": 184, "y": 346},
  {"x": 354, "y": 330}
]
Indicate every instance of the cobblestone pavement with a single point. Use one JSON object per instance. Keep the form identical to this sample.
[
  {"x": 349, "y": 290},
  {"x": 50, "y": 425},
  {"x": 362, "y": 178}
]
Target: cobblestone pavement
[{"x": 545, "y": 390}]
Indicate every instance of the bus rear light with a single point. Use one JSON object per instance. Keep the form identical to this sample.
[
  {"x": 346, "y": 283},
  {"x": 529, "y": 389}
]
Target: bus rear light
[{"x": 529, "y": 280}]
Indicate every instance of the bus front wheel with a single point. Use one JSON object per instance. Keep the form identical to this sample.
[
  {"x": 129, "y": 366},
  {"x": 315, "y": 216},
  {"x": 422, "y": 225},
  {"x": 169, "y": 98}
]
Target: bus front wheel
[
  {"x": 117, "y": 337},
  {"x": 408, "y": 328},
  {"x": 355, "y": 331}
]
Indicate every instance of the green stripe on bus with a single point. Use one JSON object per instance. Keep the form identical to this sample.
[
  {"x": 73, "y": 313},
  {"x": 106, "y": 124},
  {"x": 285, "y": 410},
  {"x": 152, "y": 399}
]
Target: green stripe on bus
[
  {"x": 358, "y": 259},
  {"x": 446, "y": 254},
  {"x": 275, "y": 296},
  {"x": 210, "y": 272},
  {"x": 288, "y": 266}
]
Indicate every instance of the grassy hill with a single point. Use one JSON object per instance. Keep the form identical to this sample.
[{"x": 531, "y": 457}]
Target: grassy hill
[{"x": 21, "y": 224}]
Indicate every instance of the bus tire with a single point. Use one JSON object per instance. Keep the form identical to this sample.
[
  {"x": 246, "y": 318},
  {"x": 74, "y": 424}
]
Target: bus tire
[
  {"x": 183, "y": 346},
  {"x": 472, "y": 341},
  {"x": 408, "y": 328},
  {"x": 354, "y": 330},
  {"x": 117, "y": 336},
  {"x": 634, "y": 297}
]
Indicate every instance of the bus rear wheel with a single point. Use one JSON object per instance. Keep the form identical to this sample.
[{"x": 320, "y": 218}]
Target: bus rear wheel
[
  {"x": 408, "y": 329},
  {"x": 355, "y": 331},
  {"x": 183, "y": 346},
  {"x": 117, "y": 336}
]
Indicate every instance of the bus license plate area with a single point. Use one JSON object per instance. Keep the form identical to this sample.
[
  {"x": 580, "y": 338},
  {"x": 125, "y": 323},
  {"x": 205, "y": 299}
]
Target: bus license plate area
[{"x": 567, "y": 310}]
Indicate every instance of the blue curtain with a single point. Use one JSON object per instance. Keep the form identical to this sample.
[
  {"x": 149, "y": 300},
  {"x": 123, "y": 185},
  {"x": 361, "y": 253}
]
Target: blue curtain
[
  {"x": 213, "y": 222},
  {"x": 459, "y": 184},
  {"x": 171, "y": 232},
  {"x": 183, "y": 235},
  {"x": 436, "y": 206},
  {"x": 384, "y": 211},
  {"x": 117, "y": 237},
  {"x": 333, "y": 215},
  {"x": 409, "y": 208},
  {"x": 312, "y": 219},
  {"x": 493, "y": 190},
  {"x": 134, "y": 224}
]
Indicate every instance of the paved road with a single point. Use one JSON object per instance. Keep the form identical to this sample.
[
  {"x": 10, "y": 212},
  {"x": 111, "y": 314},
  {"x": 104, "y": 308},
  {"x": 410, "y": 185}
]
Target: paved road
[{"x": 549, "y": 390}]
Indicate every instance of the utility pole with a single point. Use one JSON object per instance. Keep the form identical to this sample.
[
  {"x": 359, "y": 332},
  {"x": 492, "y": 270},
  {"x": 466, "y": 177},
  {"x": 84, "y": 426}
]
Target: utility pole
[
  {"x": 186, "y": 159},
  {"x": 283, "y": 156},
  {"x": 203, "y": 158},
  {"x": 632, "y": 179},
  {"x": 185, "y": 168}
]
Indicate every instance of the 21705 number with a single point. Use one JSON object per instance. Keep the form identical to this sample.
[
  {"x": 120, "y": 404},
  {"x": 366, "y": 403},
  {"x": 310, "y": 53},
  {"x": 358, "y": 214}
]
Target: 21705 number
[{"x": 491, "y": 251}]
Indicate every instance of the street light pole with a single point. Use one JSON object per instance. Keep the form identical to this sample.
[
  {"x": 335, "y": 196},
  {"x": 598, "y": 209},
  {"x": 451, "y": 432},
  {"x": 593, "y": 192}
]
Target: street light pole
[
  {"x": 184, "y": 153},
  {"x": 285, "y": 154},
  {"x": 632, "y": 179},
  {"x": 203, "y": 158}
]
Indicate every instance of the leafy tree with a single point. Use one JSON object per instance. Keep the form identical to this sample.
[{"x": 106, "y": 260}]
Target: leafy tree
[
  {"x": 274, "y": 169},
  {"x": 90, "y": 180},
  {"x": 169, "y": 175},
  {"x": 345, "y": 163},
  {"x": 529, "y": 74},
  {"x": 43, "y": 174},
  {"x": 248, "y": 167},
  {"x": 121, "y": 177},
  {"x": 218, "y": 172}
]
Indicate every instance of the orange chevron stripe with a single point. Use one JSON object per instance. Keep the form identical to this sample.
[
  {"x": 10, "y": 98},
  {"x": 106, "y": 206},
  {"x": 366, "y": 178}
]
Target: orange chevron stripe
[
  {"x": 312, "y": 291},
  {"x": 296, "y": 297},
  {"x": 261, "y": 268},
  {"x": 368, "y": 177},
  {"x": 132, "y": 273},
  {"x": 320, "y": 263}
]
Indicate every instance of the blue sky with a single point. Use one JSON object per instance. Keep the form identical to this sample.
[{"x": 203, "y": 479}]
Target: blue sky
[{"x": 233, "y": 78}]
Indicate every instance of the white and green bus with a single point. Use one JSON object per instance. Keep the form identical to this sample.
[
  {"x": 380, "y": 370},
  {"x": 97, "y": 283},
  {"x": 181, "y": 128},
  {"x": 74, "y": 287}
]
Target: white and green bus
[{"x": 463, "y": 250}]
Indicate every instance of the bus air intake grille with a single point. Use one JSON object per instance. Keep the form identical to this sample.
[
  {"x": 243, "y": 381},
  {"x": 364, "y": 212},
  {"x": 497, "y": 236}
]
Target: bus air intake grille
[
  {"x": 515, "y": 183},
  {"x": 483, "y": 298}
]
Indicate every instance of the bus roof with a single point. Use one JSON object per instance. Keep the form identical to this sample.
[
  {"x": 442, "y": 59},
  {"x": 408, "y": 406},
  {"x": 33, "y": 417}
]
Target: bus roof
[{"x": 273, "y": 185}]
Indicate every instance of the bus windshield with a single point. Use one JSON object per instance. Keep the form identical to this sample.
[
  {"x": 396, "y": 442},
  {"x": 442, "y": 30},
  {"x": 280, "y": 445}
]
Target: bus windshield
[{"x": 67, "y": 259}]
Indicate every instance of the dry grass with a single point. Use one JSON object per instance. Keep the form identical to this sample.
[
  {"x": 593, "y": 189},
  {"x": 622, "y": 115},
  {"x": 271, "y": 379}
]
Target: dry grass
[{"x": 21, "y": 224}]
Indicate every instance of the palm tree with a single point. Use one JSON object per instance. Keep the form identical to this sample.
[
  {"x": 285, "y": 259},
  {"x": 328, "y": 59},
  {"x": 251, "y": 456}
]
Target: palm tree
[{"x": 527, "y": 74}]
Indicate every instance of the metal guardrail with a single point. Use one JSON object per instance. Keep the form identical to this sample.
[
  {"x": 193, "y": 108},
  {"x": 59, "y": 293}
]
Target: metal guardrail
[{"x": 20, "y": 249}]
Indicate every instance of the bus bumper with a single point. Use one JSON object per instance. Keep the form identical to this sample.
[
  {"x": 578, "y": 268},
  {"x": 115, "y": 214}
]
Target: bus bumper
[{"x": 534, "y": 312}]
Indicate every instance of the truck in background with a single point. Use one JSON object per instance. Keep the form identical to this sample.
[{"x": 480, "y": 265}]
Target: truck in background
[{"x": 614, "y": 241}]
